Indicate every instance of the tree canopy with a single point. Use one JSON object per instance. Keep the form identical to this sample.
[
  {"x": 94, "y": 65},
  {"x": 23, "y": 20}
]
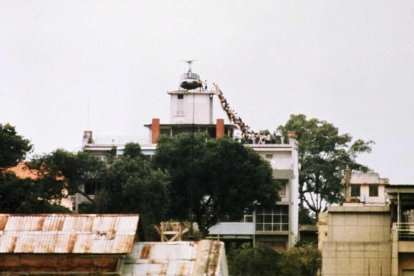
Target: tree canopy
[
  {"x": 324, "y": 155},
  {"x": 261, "y": 259},
  {"x": 213, "y": 179},
  {"x": 131, "y": 185},
  {"x": 304, "y": 260},
  {"x": 29, "y": 195},
  {"x": 71, "y": 171},
  {"x": 125, "y": 184},
  {"x": 13, "y": 147}
]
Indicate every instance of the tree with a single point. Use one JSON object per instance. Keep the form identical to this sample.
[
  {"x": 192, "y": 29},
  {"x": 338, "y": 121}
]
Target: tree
[
  {"x": 258, "y": 260},
  {"x": 303, "y": 260},
  {"x": 22, "y": 195},
  {"x": 130, "y": 185},
  {"x": 213, "y": 179},
  {"x": 132, "y": 150},
  {"x": 324, "y": 155},
  {"x": 13, "y": 147},
  {"x": 70, "y": 171}
]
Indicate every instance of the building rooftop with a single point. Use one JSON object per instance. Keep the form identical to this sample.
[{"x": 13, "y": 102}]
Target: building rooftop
[
  {"x": 22, "y": 171},
  {"x": 367, "y": 178},
  {"x": 76, "y": 234},
  {"x": 204, "y": 257}
]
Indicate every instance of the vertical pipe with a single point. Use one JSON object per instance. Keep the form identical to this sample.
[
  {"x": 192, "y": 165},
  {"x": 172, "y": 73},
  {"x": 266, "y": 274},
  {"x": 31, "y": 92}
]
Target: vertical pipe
[
  {"x": 398, "y": 210},
  {"x": 211, "y": 109},
  {"x": 254, "y": 232}
]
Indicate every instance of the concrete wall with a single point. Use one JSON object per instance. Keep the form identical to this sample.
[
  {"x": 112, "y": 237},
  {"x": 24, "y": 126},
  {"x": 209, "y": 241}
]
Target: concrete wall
[
  {"x": 356, "y": 258},
  {"x": 364, "y": 194},
  {"x": 357, "y": 241},
  {"x": 194, "y": 107}
]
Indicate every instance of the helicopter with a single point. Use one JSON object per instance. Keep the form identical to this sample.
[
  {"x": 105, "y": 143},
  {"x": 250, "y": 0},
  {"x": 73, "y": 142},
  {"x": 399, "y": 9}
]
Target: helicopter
[{"x": 190, "y": 80}]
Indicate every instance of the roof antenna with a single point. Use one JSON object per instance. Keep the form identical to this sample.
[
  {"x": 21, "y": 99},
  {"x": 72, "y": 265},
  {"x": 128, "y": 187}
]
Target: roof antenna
[{"x": 88, "y": 115}]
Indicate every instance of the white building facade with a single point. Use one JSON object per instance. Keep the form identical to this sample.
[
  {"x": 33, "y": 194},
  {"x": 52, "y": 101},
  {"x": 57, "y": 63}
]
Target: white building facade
[{"x": 192, "y": 110}]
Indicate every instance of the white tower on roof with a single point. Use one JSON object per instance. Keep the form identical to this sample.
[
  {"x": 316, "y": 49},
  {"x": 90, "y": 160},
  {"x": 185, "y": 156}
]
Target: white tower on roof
[{"x": 192, "y": 103}]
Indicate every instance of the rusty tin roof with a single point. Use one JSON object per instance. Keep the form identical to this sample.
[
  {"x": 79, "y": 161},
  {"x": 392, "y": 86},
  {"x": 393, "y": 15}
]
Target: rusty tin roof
[
  {"x": 205, "y": 257},
  {"x": 75, "y": 234}
]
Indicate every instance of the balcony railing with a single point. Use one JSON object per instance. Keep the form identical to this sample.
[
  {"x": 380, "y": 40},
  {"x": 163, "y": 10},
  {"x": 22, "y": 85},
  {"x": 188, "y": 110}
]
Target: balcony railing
[
  {"x": 405, "y": 231},
  {"x": 121, "y": 140}
]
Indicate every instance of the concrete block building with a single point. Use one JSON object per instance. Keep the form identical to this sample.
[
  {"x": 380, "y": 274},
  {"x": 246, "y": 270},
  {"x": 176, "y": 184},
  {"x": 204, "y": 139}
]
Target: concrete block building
[
  {"x": 192, "y": 111},
  {"x": 370, "y": 239},
  {"x": 367, "y": 188},
  {"x": 357, "y": 240}
]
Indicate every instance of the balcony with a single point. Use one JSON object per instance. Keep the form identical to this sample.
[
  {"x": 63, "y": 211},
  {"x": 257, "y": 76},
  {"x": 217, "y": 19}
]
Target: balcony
[{"x": 405, "y": 231}]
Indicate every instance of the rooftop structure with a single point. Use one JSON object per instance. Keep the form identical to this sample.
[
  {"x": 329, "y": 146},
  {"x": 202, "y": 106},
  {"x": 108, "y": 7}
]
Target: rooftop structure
[
  {"x": 370, "y": 239},
  {"x": 70, "y": 244},
  {"x": 192, "y": 111},
  {"x": 74, "y": 234},
  {"x": 204, "y": 257},
  {"x": 21, "y": 170},
  {"x": 65, "y": 244},
  {"x": 365, "y": 188}
]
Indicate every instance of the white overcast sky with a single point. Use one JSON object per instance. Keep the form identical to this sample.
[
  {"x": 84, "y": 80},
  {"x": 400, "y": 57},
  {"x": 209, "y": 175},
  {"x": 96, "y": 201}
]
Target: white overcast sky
[{"x": 348, "y": 62}]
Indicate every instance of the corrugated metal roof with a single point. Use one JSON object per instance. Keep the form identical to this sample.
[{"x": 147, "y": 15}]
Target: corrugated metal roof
[
  {"x": 92, "y": 234},
  {"x": 205, "y": 257}
]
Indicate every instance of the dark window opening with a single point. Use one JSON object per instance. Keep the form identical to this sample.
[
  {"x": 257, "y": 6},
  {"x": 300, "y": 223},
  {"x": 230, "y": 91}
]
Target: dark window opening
[
  {"x": 282, "y": 184},
  {"x": 355, "y": 190},
  {"x": 373, "y": 190}
]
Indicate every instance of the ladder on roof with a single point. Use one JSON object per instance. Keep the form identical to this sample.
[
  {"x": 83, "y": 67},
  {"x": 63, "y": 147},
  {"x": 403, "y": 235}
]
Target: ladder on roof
[
  {"x": 233, "y": 116},
  {"x": 248, "y": 135}
]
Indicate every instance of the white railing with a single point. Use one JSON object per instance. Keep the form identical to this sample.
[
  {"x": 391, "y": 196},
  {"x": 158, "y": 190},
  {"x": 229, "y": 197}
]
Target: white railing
[
  {"x": 121, "y": 140},
  {"x": 405, "y": 231}
]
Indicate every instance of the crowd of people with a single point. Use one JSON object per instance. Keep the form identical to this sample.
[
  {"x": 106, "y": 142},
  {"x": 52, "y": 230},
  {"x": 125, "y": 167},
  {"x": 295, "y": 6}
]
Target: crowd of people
[{"x": 247, "y": 135}]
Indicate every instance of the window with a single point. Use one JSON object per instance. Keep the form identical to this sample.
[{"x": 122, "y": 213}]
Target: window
[
  {"x": 373, "y": 190},
  {"x": 355, "y": 190},
  {"x": 273, "y": 219},
  {"x": 282, "y": 184},
  {"x": 269, "y": 156},
  {"x": 180, "y": 105}
]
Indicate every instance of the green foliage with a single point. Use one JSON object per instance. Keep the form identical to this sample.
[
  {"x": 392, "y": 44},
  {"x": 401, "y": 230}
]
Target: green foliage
[
  {"x": 26, "y": 196},
  {"x": 73, "y": 169},
  {"x": 213, "y": 179},
  {"x": 23, "y": 195},
  {"x": 305, "y": 217},
  {"x": 259, "y": 260},
  {"x": 13, "y": 147},
  {"x": 133, "y": 150},
  {"x": 111, "y": 154},
  {"x": 262, "y": 259},
  {"x": 304, "y": 260},
  {"x": 127, "y": 184},
  {"x": 324, "y": 155},
  {"x": 131, "y": 185}
]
